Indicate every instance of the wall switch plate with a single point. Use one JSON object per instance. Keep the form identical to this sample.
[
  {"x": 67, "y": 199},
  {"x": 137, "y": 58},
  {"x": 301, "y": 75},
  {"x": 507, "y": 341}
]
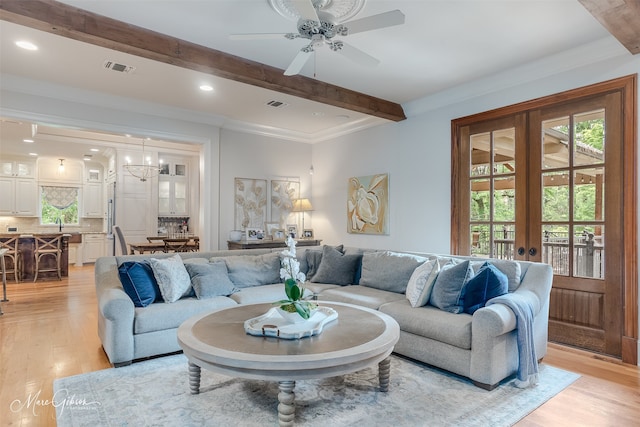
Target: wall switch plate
[{"x": 12, "y": 229}]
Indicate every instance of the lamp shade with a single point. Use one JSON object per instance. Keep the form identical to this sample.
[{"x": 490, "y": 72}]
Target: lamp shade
[{"x": 301, "y": 205}]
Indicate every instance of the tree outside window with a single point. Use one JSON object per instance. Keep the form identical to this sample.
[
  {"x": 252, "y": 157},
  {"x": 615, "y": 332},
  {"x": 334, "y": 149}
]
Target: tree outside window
[{"x": 59, "y": 204}]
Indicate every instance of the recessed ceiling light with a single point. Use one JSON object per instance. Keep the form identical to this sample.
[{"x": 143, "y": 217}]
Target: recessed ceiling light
[
  {"x": 26, "y": 45},
  {"x": 28, "y": 141},
  {"x": 95, "y": 150},
  {"x": 33, "y": 154},
  {"x": 206, "y": 88}
]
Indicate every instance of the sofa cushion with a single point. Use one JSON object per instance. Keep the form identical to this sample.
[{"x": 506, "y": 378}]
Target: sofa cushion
[
  {"x": 360, "y": 295},
  {"x": 139, "y": 283},
  {"x": 254, "y": 270},
  {"x": 421, "y": 282},
  {"x": 210, "y": 279},
  {"x": 447, "y": 290},
  {"x": 431, "y": 322},
  {"x": 172, "y": 277},
  {"x": 388, "y": 271},
  {"x": 489, "y": 282},
  {"x": 159, "y": 317},
  {"x": 263, "y": 294},
  {"x": 511, "y": 269},
  {"x": 336, "y": 267}
]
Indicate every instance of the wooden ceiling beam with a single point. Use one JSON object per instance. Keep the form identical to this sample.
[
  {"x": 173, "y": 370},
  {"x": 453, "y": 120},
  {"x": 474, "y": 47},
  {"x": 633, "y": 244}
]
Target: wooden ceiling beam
[
  {"x": 78, "y": 24},
  {"x": 620, "y": 17}
]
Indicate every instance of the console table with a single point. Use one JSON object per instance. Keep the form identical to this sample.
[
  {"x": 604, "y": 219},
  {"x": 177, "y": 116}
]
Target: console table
[{"x": 268, "y": 244}]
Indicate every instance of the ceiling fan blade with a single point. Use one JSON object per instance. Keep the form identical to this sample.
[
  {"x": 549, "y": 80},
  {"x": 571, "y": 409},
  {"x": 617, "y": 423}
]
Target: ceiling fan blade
[
  {"x": 305, "y": 9},
  {"x": 358, "y": 56},
  {"x": 382, "y": 20},
  {"x": 298, "y": 62},
  {"x": 257, "y": 36}
]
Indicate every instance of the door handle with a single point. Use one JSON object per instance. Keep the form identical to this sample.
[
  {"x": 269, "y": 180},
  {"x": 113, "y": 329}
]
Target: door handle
[
  {"x": 520, "y": 251},
  {"x": 533, "y": 251}
]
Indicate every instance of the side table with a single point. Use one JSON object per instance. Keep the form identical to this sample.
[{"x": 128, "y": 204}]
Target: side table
[{"x": 269, "y": 244}]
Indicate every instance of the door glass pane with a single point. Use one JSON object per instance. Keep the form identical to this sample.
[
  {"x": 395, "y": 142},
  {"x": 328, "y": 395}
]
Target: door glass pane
[
  {"x": 503, "y": 241},
  {"x": 480, "y": 242},
  {"x": 504, "y": 151},
  {"x": 555, "y": 199},
  {"x": 555, "y": 143},
  {"x": 163, "y": 196},
  {"x": 181, "y": 170},
  {"x": 588, "y": 251},
  {"x": 480, "y": 202},
  {"x": 480, "y": 154},
  {"x": 164, "y": 168},
  {"x": 555, "y": 248},
  {"x": 588, "y": 138},
  {"x": 588, "y": 196},
  {"x": 180, "y": 196},
  {"x": 504, "y": 199}
]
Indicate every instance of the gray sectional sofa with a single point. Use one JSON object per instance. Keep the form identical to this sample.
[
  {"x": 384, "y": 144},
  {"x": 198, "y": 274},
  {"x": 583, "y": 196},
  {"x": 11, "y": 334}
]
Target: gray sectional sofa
[{"x": 481, "y": 346}]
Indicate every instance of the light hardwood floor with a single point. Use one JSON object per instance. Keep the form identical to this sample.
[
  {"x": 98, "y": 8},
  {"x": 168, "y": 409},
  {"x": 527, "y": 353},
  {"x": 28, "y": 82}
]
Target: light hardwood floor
[{"x": 49, "y": 331}]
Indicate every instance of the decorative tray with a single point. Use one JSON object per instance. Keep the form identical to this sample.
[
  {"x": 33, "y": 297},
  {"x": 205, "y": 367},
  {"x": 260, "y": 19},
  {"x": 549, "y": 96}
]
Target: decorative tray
[{"x": 271, "y": 324}]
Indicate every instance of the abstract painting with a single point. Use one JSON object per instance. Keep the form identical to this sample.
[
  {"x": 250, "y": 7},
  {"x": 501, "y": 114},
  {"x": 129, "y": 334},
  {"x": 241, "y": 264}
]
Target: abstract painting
[
  {"x": 250, "y": 203},
  {"x": 368, "y": 204},
  {"x": 283, "y": 193}
]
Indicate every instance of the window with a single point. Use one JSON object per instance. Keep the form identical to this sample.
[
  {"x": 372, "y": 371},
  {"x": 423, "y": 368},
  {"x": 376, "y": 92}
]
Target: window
[{"x": 58, "y": 204}]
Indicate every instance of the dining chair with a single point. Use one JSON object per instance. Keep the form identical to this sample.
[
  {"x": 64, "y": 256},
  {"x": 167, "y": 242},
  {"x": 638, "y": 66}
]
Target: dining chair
[{"x": 123, "y": 243}]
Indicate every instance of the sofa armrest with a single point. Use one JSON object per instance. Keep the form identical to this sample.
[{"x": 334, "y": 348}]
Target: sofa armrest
[
  {"x": 493, "y": 320},
  {"x": 115, "y": 305}
]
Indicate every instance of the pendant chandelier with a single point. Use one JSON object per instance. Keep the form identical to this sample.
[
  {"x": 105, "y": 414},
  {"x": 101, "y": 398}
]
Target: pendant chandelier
[{"x": 144, "y": 170}]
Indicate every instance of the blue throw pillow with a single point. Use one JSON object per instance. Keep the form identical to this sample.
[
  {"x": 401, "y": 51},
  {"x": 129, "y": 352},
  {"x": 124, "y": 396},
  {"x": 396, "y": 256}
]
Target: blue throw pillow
[
  {"x": 489, "y": 282},
  {"x": 139, "y": 283},
  {"x": 447, "y": 289}
]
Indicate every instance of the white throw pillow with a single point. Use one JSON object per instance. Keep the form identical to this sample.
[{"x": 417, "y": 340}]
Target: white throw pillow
[
  {"x": 172, "y": 277},
  {"x": 421, "y": 282}
]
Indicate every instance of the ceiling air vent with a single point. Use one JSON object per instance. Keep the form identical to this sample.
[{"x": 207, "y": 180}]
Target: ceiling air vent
[
  {"x": 277, "y": 104},
  {"x": 121, "y": 68}
]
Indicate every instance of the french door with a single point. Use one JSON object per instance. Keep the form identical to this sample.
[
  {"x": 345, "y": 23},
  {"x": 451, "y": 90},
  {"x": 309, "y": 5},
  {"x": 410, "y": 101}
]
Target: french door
[{"x": 547, "y": 183}]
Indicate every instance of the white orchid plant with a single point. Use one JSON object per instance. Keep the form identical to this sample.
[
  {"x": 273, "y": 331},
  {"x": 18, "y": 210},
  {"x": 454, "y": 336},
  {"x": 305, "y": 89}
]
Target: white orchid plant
[{"x": 293, "y": 280}]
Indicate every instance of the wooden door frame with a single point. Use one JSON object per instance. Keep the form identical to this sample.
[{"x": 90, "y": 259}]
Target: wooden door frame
[{"x": 627, "y": 86}]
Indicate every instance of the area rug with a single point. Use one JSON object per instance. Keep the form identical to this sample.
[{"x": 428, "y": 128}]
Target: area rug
[{"x": 156, "y": 393}]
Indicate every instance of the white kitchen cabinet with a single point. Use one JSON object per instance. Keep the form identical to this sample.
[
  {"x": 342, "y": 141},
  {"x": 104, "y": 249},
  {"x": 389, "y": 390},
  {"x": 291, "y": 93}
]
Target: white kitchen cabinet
[
  {"x": 173, "y": 188},
  {"x": 92, "y": 201},
  {"x": 19, "y": 197},
  {"x": 17, "y": 168},
  {"x": 93, "y": 247}
]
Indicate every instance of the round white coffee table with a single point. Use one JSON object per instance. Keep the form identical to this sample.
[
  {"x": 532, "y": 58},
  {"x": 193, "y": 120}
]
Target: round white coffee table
[{"x": 359, "y": 338}]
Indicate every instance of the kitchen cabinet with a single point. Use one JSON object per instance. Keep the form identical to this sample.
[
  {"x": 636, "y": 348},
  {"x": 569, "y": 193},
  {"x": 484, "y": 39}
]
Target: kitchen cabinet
[
  {"x": 93, "y": 247},
  {"x": 92, "y": 201},
  {"x": 19, "y": 197},
  {"x": 17, "y": 168},
  {"x": 173, "y": 188}
]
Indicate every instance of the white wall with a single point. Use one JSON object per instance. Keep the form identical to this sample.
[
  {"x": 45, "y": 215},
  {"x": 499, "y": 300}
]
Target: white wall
[
  {"x": 417, "y": 155},
  {"x": 244, "y": 155}
]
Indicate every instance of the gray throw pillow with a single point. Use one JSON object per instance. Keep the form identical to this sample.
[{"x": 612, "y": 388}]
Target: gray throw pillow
[
  {"x": 210, "y": 280},
  {"x": 388, "y": 271},
  {"x": 336, "y": 268},
  {"x": 313, "y": 258},
  {"x": 447, "y": 290},
  {"x": 254, "y": 270},
  {"x": 172, "y": 277}
]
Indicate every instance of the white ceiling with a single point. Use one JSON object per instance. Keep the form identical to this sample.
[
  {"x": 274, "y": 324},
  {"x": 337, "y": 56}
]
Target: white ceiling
[{"x": 442, "y": 44}]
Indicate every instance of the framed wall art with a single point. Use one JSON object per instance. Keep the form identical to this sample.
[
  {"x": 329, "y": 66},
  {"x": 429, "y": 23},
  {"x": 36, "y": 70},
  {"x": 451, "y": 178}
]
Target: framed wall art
[
  {"x": 270, "y": 227},
  {"x": 250, "y": 203},
  {"x": 368, "y": 204},
  {"x": 283, "y": 193}
]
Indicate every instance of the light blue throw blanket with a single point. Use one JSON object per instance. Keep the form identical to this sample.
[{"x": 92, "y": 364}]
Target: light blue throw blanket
[{"x": 523, "y": 310}]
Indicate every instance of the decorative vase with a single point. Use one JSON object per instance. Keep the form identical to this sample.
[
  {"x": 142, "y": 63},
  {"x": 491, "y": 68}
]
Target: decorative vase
[{"x": 235, "y": 235}]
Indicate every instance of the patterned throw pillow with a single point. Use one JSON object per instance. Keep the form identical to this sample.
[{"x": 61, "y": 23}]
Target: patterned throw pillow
[
  {"x": 422, "y": 280},
  {"x": 172, "y": 277}
]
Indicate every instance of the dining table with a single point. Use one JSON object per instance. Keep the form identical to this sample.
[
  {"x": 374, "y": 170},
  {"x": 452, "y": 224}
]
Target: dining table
[{"x": 166, "y": 244}]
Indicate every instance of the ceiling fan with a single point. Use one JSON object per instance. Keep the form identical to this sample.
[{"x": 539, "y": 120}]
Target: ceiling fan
[{"x": 320, "y": 21}]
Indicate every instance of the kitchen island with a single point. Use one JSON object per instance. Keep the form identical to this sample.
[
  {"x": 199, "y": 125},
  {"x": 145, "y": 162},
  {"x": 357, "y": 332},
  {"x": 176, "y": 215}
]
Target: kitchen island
[{"x": 26, "y": 245}]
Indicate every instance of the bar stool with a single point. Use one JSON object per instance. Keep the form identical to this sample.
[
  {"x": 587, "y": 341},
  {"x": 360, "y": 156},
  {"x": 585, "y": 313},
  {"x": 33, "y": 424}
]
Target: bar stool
[
  {"x": 10, "y": 242},
  {"x": 48, "y": 245}
]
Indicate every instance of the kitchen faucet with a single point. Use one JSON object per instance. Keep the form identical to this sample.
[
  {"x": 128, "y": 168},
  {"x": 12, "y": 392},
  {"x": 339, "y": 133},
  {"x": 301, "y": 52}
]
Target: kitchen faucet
[{"x": 60, "y": 224}]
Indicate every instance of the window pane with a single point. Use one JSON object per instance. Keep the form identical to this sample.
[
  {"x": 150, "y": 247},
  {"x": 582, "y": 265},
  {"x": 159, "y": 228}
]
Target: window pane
[
  {"x": 480, "y": 157},
  {"x": 555, "y": 202},
  {"x": 504, "y": 151},
  {"x": 588, "y": 138},
  {"x": 480, "y": 242},
  {"x": 588, "y": 194},
  {"x": 480, "y": 202},
  {"x": 555, "y": 143},
  {"x": 588, "y": 251},
  {"x": 503, "y": 241},
  {"x": 504, "y": 201},
  {"x": 555, "y": 248}
]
